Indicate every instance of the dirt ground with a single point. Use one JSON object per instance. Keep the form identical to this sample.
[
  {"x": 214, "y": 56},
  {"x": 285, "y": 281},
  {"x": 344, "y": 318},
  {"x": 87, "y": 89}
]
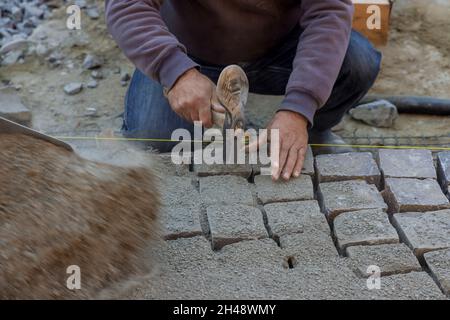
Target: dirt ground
[{"x": 416, "y": 62}]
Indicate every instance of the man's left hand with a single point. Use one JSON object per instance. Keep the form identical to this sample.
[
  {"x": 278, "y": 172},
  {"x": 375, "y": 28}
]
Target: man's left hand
[{"x": 293, "y": 135}]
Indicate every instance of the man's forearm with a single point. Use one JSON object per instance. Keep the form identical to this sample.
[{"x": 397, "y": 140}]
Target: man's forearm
[
  {"x": 139, "y": 30},
  {"x": 321, "y": 50}
]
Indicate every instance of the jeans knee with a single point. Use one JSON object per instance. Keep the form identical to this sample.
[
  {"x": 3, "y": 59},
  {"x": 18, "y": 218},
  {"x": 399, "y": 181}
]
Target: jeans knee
[{"x": 363, "y": 62}]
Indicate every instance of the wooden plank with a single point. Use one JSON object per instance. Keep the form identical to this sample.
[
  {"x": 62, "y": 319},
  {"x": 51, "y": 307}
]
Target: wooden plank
[{"x": 371, "y": 18}]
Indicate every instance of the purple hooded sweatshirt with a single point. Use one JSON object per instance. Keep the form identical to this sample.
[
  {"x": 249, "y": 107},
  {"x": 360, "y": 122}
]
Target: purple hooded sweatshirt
[{"x": 156, "y": 36}]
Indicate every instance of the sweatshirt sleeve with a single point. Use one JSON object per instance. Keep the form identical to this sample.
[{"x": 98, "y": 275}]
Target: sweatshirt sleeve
[
  {"x": 140, "y": 32},
  {"x": 326, "y": 26}
]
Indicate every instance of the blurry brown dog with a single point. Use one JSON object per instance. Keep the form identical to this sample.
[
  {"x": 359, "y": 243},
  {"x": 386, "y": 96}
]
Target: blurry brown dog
[{"x": 58, "y": 210}]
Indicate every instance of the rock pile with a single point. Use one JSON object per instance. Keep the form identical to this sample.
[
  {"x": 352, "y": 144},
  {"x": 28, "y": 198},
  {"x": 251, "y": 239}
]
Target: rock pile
[{"x": 18, "y": 19}]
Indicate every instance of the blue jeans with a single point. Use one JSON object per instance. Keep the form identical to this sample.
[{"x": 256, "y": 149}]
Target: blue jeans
[{"x": 149, "y": 115}]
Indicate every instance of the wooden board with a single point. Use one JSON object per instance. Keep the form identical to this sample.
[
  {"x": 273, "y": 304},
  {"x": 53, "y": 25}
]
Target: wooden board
[{"x": 371, "y": 18}]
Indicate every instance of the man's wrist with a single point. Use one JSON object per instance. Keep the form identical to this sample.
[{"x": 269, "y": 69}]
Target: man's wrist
[
  {"x": 173, "y": 67},
  {"x": 301, "y": 103},
  {"x": 182, "y": 77},
  {"x": 296, "y": 115}
]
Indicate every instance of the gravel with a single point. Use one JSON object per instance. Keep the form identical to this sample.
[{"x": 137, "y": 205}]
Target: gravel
[{"x": 18, "y": 20}]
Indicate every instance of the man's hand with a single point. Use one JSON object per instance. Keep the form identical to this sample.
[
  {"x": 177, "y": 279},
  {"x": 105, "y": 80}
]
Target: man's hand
[
  {"x": 293, "y": 129},
  {"x": 193, "y": 96}
]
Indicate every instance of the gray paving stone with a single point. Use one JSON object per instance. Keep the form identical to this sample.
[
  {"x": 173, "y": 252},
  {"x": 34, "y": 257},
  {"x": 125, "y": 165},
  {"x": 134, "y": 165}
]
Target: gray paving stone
[
  {"x": 390, "y": 258},
  {"x": 327, "y": 278},
  {"x": 314, "y": 246},
  {"x": 348, "y": 166},
  {"x": 264, "y": 252},
  {"x": 249, "y": 270},
  {"x": 294, "y": 217},
  {"x": 269, "y": 191},
  {"x": 443, "y": 164},
  {"x": 414, "y": 195},
  {"x": 410, "y": 286},
  {"x": 439, "y": 264},
  {"x": 233, "y": 223},
  {"x": 344, "y": 196},
  {"x": 225, "y": 190},
  {"x": 12, "y": 108},
  {"x": 424, "y": 232},
  {"x": 181, "y": 221},
  {"x": 406, "y": 163},
  {"x": 365, "y": 227},
  {"x": 308, "y": 164},
  {"x": 179, "y": 191},
  {"x": 204, "y": 170}
]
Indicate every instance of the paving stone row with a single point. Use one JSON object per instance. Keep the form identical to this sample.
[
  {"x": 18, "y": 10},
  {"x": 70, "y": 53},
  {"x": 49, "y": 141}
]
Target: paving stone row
[
  {"x": 364, "y": 227},
  {"x": 390, "y": 258},
  {"x": 417, "y": 190},
  {"x": 439, "y": 264},
  {"x": 247, "y": 170},
  {"x": 414, "y": 195},
  {"x": 241, "y": 170},
  {"x": 443, "y": 164},
  {"x": 189, "y": 269},
  {"x": 345, "y": 196},
  {"x": 407, "y": 163},
  {"x": 424, "y": 232},
  {"x": 347, "y": 166}
]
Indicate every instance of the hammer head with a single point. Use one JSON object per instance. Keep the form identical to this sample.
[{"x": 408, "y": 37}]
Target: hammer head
[{"x": 232, "y": 93}]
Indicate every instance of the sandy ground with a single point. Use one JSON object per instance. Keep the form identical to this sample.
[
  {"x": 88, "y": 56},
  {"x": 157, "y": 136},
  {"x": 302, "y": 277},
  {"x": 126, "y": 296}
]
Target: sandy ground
[{"x": 416, "y": 62}]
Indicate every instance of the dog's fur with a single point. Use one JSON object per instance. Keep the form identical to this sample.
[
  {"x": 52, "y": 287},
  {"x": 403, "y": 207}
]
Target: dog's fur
[{"x": 58, "y": 209}]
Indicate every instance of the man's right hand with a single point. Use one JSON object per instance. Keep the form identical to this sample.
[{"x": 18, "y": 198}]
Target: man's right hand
[{"x": 193, "y": 97}]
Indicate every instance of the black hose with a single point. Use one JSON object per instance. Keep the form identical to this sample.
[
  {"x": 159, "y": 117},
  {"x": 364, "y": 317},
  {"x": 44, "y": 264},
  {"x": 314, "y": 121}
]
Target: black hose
[{"x": 414, "y": 104}]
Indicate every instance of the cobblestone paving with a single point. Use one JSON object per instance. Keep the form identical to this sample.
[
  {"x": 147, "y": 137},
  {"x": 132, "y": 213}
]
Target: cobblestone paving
[{"x": 234, "y": 234}]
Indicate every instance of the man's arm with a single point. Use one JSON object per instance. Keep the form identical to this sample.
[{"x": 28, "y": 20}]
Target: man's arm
[
  {"x": 140, "y": 32},
  {"x": 326, "y": 26}
]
